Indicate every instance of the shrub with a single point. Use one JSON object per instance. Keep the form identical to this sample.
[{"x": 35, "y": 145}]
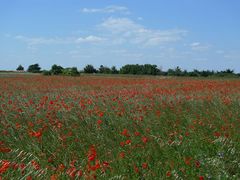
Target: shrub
[{"x": 71, "y": 72}]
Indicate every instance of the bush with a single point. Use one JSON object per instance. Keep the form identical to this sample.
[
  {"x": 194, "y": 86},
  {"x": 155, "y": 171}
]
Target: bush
[
  {"x": 20, "y": 68},
  {"x": 146, "y": 69},
  {"x": 46, "y": 73},
  {"x": 71, "y": 72},
  {"x": 56, "y": 69},
  {"x": 90, "y": 69},
  {"x": 34, "y": 68}
]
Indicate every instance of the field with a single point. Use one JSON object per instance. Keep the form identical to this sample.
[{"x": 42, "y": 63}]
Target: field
[{"x": 109, "y": 127}]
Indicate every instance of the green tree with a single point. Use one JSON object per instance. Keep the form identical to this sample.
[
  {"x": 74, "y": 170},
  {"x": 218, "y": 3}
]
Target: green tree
[
  {"x": 178, "y": 71},
  {"x": 34, "y": 68},
  {"x": 71, "y": 71},
  {"x": 114, "y": 70},
  {"x": 55, "y": 70},
  {"x": 20, "y": 68},
  {"x": 147, "y": 69},
  {"x": 104, "y": 69},
  {"x": 89, "y": 69}
]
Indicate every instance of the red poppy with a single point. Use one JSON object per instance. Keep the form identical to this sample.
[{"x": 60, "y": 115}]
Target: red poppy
[
  {"x": 144, "y": 140},
  {"x": 128, "y": 141},
  {"x": 197, "y": 163},
  {"x": 144, "y": 165},
  {"x": 168, "y": 174}
]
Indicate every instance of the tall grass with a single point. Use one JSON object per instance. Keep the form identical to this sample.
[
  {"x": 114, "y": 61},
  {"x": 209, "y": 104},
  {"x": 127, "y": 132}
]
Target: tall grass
[{"x": 119, "y": 128}]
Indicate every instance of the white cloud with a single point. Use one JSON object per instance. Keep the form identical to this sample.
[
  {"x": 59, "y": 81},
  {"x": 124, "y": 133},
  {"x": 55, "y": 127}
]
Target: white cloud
[
  {"x": 90, "y": 39},
  {"x": 118, "y": 25},
  {"x": 132, "y": 32},
  {"x": 108, "y": 9},
  {"x": 116, "y": 31},
  {"x": 31, "y": 41},
  {"x": 197, "y": 46}
]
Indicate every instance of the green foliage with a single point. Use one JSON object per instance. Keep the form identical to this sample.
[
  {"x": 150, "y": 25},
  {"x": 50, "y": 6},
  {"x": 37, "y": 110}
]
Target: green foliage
[
  {"x": 34, "y": 68},
  {"x": 90, "y": 69},
  {"x": 196, "y": 73},
  {"x": 114, "y": 70},
  {"x": 46, "y": 73},
  {"x": 146, "y": 69},
  {"x": 55, "y": 70},
  {"x": 104, "y": 70},
  {"x": 135, "y": 69},
  {"x": 20, "y": 68},
  {"x": 70, "y": 72}
]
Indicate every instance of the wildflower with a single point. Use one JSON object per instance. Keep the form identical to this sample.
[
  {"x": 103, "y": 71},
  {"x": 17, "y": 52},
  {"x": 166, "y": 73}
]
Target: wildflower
[
  {"x": 144, "y": 165},
  {"x": 94, "y": 167},
  {"x": 105, "y": 163},
  {"x": 144, "y": 140},
  {"x": 29, "y": 178},
  {"x": 18, "y": 126},
  {"x": 54, "y": 177},
  {"x": 101, "y": 114},
  {"x": 197, "y": 163},
  {"x": 128, "y": 141},
  {"x": 79, "y": 173},
  {"x": 125, "y": 133},
  {"x": 4, "y": 150},
  {"x": 61, "y": 167},
  {"x": 92, "y": 153},
  {"x": 122, "y": 143},
  {"x": 37, "y": 134},
  {"x": 72, "y": 163},
  {"x": 188, "y": 161},
  {"x": 71, "y": 172},
  {"x": 122, "y": 155},
  {"x": 217, "y": 134},
  {"x": 136, "y": 169},
  {"x": 168, "y": 174},
  {"x": 99, "y": 122},
  {"x": 158, "y": 113},
  {"x": 35, "y": 165},
  {"x": 5, "y": 166},
  {"x": 137, "y": 133}
]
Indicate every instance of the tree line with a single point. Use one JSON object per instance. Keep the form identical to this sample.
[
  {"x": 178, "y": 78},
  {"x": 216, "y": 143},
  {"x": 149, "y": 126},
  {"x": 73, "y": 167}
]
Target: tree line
[{"x": 135, "y": 69}]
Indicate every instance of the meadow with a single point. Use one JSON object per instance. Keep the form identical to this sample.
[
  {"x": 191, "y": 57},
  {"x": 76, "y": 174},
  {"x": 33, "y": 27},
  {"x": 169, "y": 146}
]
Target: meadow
[{"x": 117, "y": 127}]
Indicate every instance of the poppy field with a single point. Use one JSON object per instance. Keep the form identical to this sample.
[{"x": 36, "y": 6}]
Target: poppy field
[{"x": 117, "y": 127}]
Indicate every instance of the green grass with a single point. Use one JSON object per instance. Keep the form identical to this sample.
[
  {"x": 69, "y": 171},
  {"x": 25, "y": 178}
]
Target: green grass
[{"x": 162, "y": 135}]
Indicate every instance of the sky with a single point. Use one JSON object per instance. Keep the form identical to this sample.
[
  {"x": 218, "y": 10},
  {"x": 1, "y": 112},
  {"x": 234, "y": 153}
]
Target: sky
[{"x": 191, "y": 34}]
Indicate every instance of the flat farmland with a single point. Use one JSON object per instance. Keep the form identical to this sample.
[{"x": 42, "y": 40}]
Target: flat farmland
[{"x": 116, "y": 127}]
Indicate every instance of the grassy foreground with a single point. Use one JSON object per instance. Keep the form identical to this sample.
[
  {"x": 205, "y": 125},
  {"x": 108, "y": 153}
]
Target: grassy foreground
[{"x": 119, "y": 128}]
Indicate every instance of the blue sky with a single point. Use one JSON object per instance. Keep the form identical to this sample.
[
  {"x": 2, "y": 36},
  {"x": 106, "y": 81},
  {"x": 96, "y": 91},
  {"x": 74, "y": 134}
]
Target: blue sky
[{"x": 192, "y": 34}]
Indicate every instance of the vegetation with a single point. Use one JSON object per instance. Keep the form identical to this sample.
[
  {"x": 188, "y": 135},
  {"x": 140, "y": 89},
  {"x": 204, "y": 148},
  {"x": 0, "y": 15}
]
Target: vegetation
[
  {"x": 89, "y": 69},
  {"x": 20, "y": 68},
  {"x": 59, "y": 70},
  {"x": 56, "y": 70},
  {"x": 119, "y": 128},
  {"x": 71, "y": 71},
  {"x": 134, "y": 69},
  {"x": 104, "y": 70},
  {"x": 34, "y": 68},
  {"x": 146, "y": 69}
]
